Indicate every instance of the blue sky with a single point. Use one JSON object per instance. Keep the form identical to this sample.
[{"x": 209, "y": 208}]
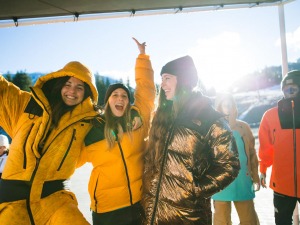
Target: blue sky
[{"x": 225, "y": 44}]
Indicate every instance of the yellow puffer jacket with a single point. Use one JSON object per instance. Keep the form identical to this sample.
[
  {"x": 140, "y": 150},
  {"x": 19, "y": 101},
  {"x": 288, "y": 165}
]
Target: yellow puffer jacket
[
  {"x": 116, "y": 178},
  {"x": 26, "y": 117}
]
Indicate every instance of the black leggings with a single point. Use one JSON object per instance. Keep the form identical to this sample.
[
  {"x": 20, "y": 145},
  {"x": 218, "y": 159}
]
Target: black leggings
[{"x": 126, "y": 216}]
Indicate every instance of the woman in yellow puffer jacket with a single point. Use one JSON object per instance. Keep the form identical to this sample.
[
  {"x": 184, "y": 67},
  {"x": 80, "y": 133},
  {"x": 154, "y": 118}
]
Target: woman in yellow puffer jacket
[
  {"x": 47, "y": 126},
  {"x": 116, "y": 149}
]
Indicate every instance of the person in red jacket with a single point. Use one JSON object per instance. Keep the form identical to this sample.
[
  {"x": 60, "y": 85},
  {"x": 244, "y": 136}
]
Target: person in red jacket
[{"x": 279, "y": 141}]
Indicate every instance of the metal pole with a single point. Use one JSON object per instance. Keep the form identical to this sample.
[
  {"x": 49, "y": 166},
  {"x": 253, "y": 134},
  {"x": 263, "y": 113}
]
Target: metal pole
[{"x": 284, "y": 57}]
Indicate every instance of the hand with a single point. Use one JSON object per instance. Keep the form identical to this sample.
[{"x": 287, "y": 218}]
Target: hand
[
  {"x": 142, "y": 47},
  {"x": 3, "y": 150},
  {"x": 262, "y": 179},
  {"x": 256, "y": 186},
  {"x": 136, "y": 123}
]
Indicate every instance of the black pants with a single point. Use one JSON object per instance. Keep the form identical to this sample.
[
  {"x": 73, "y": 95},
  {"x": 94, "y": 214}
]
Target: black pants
[
  {"x": 284, "y": 207},
  {"x": 126, "y": 216}
]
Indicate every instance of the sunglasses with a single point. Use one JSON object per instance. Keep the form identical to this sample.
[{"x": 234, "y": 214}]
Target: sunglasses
[{"x": 291, "y": 90}]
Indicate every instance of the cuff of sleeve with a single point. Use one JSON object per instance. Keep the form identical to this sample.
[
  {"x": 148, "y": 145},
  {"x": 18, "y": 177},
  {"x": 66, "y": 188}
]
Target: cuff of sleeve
[
  {"x": 143, "y": 56},
  {"x": 263, "y": 168}
]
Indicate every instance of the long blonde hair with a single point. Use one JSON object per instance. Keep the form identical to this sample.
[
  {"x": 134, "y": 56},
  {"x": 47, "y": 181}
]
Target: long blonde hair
[{"x": 116, "y": 126}]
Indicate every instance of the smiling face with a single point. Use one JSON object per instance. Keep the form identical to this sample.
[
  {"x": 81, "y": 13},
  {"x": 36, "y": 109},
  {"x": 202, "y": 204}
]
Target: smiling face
[
  {"x": 168, "y": 84},
  {"x": 118, "y": 101},
  {"x": 73, "y": 92}
]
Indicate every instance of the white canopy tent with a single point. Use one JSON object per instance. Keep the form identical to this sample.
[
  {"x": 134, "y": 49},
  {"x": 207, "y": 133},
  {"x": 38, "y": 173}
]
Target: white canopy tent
[
  {"x": 33, "y": 12},
  {"x": 19, "y": 10}
]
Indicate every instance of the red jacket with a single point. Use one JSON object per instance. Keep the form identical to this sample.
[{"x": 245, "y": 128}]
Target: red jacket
[{"x": 277, "y": 150}]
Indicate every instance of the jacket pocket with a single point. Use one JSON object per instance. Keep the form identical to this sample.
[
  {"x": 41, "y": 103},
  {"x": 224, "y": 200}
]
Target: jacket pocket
[
  {"x": 67, "y": 151},
  {"x": 24, "y": 148},
  {"x": 273, "y": 136}
]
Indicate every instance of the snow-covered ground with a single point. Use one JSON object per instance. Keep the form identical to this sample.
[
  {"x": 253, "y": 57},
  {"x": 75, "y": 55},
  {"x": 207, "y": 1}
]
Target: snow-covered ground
[{"x": 263, "y": 200}]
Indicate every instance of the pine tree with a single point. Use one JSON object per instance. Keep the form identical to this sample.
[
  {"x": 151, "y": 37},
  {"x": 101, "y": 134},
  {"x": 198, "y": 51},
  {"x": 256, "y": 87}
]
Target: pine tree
[{"x": 22, "y": 80}]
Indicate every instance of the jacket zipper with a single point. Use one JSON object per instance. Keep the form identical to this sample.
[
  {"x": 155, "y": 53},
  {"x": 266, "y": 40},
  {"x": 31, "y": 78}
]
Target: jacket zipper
[
  {"x": 96, "y": 202},
  {"x": 164, "y": 159},
  {"x": 28, "y": 200},
  {"x": 295, "y": 155},
  {"x": 295, "y": 172},
  {"x": 126, "y": 172}
]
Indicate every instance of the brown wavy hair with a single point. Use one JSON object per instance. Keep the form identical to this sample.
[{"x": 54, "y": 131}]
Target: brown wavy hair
[
  {"x": 162, "y": 121},
  {"x": 52, "y": 90}
]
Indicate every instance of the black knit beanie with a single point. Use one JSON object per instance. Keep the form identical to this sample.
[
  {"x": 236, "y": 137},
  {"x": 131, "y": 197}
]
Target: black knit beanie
[
  {"x": 292, "y": 77},
  {"x": 184, "y": 68},
  {"x": 113, "y": 87}
]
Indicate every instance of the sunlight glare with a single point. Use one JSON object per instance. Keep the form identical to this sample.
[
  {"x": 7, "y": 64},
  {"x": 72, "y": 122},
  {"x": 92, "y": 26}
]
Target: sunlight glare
[
  {"x": 293, "y": 44},
  {"x": 220, "y": 60}
]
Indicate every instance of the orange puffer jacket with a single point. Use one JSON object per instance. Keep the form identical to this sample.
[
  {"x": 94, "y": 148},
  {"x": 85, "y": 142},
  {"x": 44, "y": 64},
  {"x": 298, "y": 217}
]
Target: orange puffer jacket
[{"x": 277, "y": 150}]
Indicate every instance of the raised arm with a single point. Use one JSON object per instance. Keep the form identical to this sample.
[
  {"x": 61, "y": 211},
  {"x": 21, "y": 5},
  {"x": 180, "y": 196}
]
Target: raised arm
[
  {"x": 145, "y": 89},
  {"x": 12, "y": 104},
  {"x": 141, "y": 46}
]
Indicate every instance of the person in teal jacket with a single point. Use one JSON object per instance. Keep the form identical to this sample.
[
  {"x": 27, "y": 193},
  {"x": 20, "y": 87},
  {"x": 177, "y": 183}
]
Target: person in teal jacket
[{"x": 241, "y": 190}]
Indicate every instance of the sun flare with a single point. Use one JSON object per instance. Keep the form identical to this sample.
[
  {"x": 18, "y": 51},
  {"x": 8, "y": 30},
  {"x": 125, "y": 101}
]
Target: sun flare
[{"x": 221, "y": 60}]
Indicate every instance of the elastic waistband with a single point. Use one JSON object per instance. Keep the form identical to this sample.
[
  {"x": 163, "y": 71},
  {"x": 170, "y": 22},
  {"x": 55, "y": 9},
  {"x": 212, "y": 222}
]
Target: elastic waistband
[
  {"x": 14, "y": 190},
  {"x": 135, "y": 208}
]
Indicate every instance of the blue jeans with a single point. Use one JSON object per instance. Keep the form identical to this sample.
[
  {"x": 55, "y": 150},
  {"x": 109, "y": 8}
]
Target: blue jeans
[{"x": 284, "y": 207}]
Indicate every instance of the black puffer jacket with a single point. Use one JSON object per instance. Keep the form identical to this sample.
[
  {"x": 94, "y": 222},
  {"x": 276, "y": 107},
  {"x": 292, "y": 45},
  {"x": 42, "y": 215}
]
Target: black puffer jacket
[{"x": 199, "y": 159}]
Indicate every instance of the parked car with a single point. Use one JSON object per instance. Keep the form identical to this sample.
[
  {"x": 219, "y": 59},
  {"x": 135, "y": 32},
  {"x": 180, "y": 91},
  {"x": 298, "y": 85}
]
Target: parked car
[{"x": 254, "y": 113}]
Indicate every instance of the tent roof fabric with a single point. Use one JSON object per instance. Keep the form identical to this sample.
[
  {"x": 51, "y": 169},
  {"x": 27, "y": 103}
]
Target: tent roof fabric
[{"x": 30, "y": 9}]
